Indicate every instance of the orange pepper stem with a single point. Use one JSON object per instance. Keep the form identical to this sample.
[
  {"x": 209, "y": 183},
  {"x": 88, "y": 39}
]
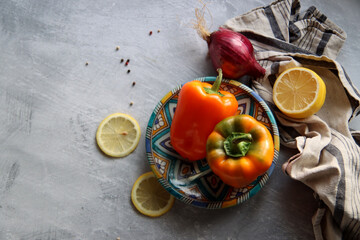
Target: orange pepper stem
[
  {"x": 216, "y": 86},
  {"x": 237, "y": 144}
]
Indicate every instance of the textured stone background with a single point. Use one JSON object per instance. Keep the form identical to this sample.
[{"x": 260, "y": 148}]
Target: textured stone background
[{"x": 54, "y": 181}]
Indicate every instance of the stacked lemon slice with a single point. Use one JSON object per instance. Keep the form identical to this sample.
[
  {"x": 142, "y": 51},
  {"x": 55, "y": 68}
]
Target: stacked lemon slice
[{"x": 149, "y": 197}]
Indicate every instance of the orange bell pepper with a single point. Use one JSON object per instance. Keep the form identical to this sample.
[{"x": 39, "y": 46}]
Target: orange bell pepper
[
  {"x": 200, "y": 107},
  {"x": 239, "y": 150}
]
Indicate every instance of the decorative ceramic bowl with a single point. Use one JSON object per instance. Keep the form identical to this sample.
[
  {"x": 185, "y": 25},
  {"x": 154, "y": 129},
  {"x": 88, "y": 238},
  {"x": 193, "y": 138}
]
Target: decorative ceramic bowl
[{"x": 192, "y": 182}]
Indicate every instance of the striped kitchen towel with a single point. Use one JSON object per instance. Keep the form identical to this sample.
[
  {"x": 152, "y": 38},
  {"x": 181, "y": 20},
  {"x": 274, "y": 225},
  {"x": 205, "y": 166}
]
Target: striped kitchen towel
[{"x": 328, "y": 152}]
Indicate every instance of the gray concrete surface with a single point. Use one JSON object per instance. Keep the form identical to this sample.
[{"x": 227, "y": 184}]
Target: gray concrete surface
[{"x": 54, "y": 181}]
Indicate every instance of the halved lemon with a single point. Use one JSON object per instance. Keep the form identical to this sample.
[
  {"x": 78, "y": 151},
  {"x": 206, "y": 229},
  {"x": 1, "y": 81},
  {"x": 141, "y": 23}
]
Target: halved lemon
[
  {"x": 149, "y": 197},
  {"x": 118, "y": 135},
  {"x": 299, "y": 92}
]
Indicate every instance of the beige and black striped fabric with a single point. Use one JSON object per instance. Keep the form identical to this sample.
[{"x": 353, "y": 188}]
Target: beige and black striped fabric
[{"x": 328, "y": 160}]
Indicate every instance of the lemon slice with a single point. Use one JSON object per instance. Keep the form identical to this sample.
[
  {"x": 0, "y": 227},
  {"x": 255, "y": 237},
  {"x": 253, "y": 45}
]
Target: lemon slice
[
  {"x": 118, "y": 135},
  {"x": 299, "y": 92},
  {"x": 149, "y": 197}
]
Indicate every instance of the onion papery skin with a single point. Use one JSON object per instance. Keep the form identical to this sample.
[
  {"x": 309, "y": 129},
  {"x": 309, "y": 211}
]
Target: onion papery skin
[{"x": 234, "y": 54}]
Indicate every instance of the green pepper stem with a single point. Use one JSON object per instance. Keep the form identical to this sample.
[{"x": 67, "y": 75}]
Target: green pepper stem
[
  {"x": 216, "y": 86},
  {"x": 237, "y": 144}
]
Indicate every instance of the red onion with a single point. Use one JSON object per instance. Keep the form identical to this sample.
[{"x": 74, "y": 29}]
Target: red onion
[
  {"x": 234, "y": 54},
  {"x": 229, "y": 50}
]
